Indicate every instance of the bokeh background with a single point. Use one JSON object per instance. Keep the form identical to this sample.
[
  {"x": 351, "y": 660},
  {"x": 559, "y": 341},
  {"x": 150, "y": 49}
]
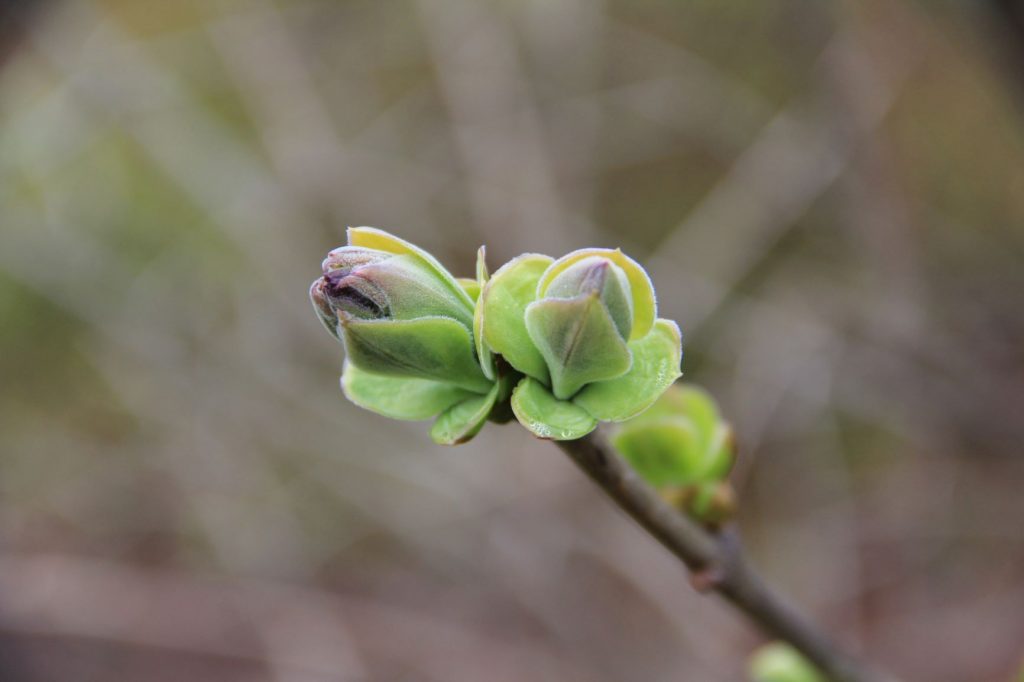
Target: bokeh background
[{"x": 829, "y": 197}]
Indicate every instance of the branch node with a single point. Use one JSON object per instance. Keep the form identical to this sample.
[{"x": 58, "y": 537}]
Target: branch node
[
  {"x": 716, "y": 559},
  {"x": 707, "y": 579}
]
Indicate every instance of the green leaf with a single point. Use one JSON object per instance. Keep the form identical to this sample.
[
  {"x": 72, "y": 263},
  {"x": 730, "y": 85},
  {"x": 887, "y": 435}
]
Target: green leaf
[
  {"x": 482, "y": 351},
  {"x": 714, "y": 437},
  {"x": 656, "y": 360},
  {"x": 720, "y": 453},
  {"x": 578, "y": 340},
  {"x": 645, "y": 308},
  {"x": 373, "y": 238},
  {"x": 470, "y": 286},
  {"x": 547, "y": 417},
  {"x": 505, "y": 298},
  {"x": 662, "y": 451},
  {"x": 700, "y": 407},
  {"x": 437, "y": 348},
  {"x": 673, "y": 401},
  {"x": 704, "y": 454},
  {"x": 779, "y": 662},
  {"x": 464, "y": 420},
  {"x": 399, "y": 397}
]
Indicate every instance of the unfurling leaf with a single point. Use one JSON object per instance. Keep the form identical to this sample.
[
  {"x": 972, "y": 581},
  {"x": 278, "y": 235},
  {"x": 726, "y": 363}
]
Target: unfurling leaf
[{"x": 502, "y": 309}]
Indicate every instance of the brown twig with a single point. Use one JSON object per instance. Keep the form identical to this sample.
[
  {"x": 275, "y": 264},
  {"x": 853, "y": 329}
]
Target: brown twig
[{"x": 717, "y": 561}]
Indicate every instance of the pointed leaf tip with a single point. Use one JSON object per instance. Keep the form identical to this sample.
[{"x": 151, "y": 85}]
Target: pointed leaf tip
[
  {"x": 645, "y": 307},
  {"x": 463, "y": 421}
]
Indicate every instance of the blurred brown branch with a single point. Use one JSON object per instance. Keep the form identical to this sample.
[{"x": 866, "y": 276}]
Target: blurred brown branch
[
  {"x": 14, "y": 20},
  {"x": 717, "y": 561}
]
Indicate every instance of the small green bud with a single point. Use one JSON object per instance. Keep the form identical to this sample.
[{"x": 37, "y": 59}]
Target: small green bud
[
  {"x": 682, "y": 445},
  {"x": 597, "y": 276},
  {"x": 584, "y": 330},
  {"x": 779, "y": 662},
  {"x": 407, "y": 328},
  {"x": 398, "y": 315},
  {"x": 582, "y": 319}
]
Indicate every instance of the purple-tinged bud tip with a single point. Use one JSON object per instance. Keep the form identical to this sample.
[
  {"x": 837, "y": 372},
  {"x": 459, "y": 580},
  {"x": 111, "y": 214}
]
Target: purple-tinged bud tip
[
  {"x": 323, "y": 307},
  {"x": 593, "y": 278},
  {"x": 355, "y": 296},
  {"x": 599, "y": 277},
  {"x": 345, "y": 259}
]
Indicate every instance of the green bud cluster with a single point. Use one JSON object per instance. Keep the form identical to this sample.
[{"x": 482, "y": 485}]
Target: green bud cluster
[
  {"x": 561, "y": 344},
  {"x": 683, "y": 448}
]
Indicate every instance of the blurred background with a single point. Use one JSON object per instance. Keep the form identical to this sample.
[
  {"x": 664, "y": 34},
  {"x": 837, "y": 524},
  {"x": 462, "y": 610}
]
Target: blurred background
[{"x": 829, "y": 197}]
